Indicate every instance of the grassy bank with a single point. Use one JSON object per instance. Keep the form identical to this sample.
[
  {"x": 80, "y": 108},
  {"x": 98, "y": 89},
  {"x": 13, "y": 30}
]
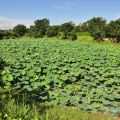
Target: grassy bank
[{"x": 11, "y": 109}]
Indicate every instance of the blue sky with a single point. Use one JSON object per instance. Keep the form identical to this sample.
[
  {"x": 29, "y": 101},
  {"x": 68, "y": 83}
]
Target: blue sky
[{"x": 13, "y": 12}]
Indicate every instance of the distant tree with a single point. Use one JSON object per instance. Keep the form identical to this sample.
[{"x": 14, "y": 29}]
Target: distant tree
[
  {"x": 113, "y": 30},
  {"x": 63, "y": 35},
  {"x": 6, "y": 34},
  {"x": 41, "y": 27},
  {"x": 84, "y": 27},
  {"x": 20, "y": 30},
  {"x": 53, "y": 31},
  {"x": 98, "y": 34},
  {"x": 33, "y": 32},
  {"x": 67, "y": 27},
  {"x": 96, "y": 27},
  {"x": 77, "y": 28},
  {"x": 107, "y": 32},
  {"x": 72, "y": 36},
  {"x": 1, "y": 34},
  {"x": 68, "y": 31}
]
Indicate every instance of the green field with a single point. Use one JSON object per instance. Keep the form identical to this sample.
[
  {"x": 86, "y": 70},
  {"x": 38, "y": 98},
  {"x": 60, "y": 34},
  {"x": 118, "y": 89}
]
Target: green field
[{"x": 68, "y": 73}]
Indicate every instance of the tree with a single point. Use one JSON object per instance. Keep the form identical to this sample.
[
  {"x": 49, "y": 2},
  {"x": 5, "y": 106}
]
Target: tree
[
  {"x": 1, "y": 34},
  {"x": 113, "y": 30},
  {"x": 41, "y": 27},
  {"x": 77, "y": 28},
  {"x": 84, "y": 27},
  {"x": 72, "y": 36},
  {"x": 20, "y": 30},
  {"x": 68, "y": 31},
  {"x": 53, "y": 31},
  {"x": 96, "y": 27},
  {"x": 6, "y": 34},
  {"x": 32, "y": 32},
  {"x": 67, "y": 27},
  {"x": 63, "y": 35}
]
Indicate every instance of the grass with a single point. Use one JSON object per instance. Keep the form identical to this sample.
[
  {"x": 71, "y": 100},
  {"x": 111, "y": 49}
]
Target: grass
[
  {"x": 86, "y": 38},
  {"x": 71, "y": 113},
  {"x": 11, "y": 109}
]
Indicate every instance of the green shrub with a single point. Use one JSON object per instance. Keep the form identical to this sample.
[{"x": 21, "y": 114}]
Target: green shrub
[
  {"x": 72, "y": 36},
  {"x": 83, "y": 33},
  {"x": 68, "y": 35},
  {"x": 20, "y": 30},
  {"x": 63, "y": 35},
  {"x": 52, "y": 31}
]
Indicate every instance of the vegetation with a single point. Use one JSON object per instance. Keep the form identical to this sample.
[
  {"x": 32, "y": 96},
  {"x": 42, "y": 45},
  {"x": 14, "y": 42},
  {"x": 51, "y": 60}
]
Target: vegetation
[
  {"x": 66, "y": 73},
  {"x": 40, "y": 28},
  {"x": 20, "y": 30},
  {"x": 52, "y": 31},
  {"x": 2, "y": 65},
  {"x": 97, "y": 27},
  {"x": 62, "y": 79},
  {"x": 6, "y": 34},
  {"x": 113, "y": 30},
  {"x": 85, "y": 37},
  {"x": 11, "y": 109}
]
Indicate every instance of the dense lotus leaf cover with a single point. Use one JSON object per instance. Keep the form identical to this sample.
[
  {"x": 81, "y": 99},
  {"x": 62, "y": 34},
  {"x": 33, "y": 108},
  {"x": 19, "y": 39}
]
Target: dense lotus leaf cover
[{"x": 66, "y": 72}]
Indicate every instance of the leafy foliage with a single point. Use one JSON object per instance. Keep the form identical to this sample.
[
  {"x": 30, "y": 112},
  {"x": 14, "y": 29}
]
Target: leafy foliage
[
  {"x": 72, "y": 36},
  {"x": 96, "y": 27},
  {"x": 67, "y": 31},
  {"x": 65, "y": 72},
  {"x": 67, "y": 27},
  {"x": 20, "y": 30},
  {"x": 6, "y": 34},
  {"x": 113, "y": 30},
  {"x": 41, "y": 27},
  {"x": 52, "y": 31}
]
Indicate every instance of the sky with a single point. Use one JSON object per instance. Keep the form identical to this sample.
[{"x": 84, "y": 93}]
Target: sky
[{"x": 13, "y": 12}]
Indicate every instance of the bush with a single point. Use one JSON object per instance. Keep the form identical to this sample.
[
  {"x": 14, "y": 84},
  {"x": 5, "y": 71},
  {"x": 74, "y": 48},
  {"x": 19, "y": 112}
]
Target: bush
[
  {"x": 72, "y": 36},
  {"x": 68, "y": 35},
  {"x": 6, "y": 34},
  {"x": 83, "y": 33},
  {"x": 62, "y": 35},
  {"x": 67, "y": 27},
  {"x": 96, "y": 27},
  {"x": 52, "y": 31},
  {"x": 20, "y": 30}
]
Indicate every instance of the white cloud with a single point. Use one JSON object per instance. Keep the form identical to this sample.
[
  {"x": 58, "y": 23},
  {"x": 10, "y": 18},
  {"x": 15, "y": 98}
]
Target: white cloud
[
  {"x": 8, "y": 23},
  {"x": 117, "y": 17},
  {"x": 66, "y": 6}
]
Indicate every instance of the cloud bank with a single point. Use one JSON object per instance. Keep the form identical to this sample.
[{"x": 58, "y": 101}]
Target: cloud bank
[{"x": 8, "y": 23}]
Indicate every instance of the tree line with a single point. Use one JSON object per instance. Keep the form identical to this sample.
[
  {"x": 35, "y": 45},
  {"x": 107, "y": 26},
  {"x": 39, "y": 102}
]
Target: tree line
[{"x": 97, "y": 27}]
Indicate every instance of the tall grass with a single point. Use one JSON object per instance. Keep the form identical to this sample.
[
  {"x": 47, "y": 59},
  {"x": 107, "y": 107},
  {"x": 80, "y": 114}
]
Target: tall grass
[{"x": 13, "y": 109}]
